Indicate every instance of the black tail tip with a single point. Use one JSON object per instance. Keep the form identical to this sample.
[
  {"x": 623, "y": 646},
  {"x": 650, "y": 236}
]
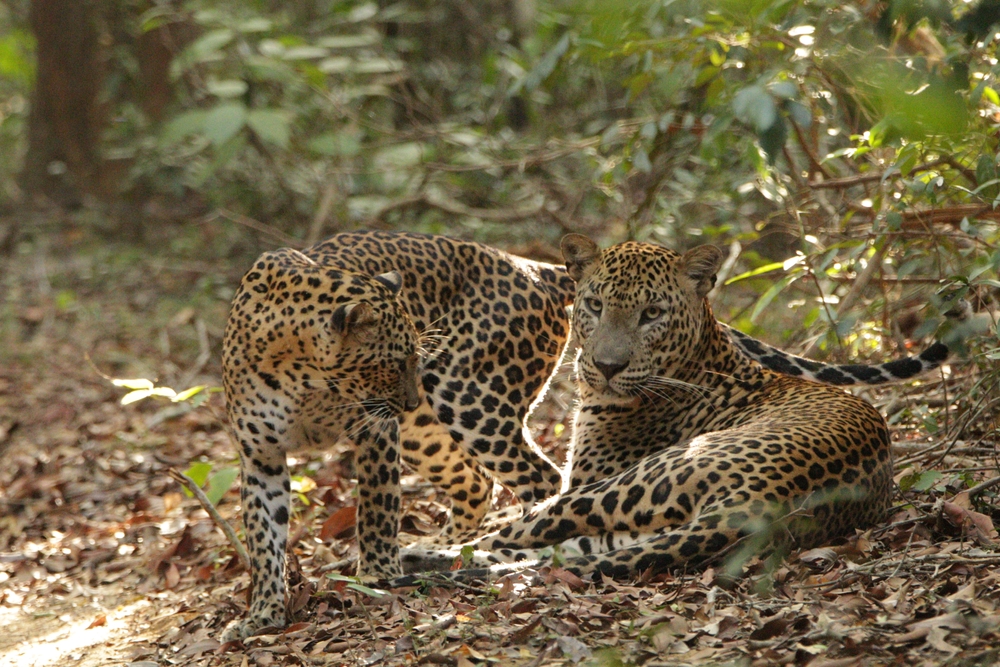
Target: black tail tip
[{"x": 937, "y": 352}]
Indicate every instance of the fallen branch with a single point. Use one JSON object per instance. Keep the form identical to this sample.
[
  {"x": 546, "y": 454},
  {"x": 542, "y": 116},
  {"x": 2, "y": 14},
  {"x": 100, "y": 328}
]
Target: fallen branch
[
  {"x": 815, "y": 166},
  {"x": 950, "y": 215},
  {"x": 256, "y": 225},
  {"x": 196, "y": 491},
  {"x": 861, "y": 179},
  {"x": 979, "y": 488},
  {"x": 889, "y": 280},
  {"x": 457, "y": 208}
]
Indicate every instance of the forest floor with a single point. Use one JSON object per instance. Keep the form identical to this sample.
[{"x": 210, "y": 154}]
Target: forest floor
[{"x": 104, "y": 561}]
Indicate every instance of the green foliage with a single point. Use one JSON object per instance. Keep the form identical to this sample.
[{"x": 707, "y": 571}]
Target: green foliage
[
  {"x": 920, "y": 481},
  {"x": 17, "y": 75},
  {"x": 607, "y": 657},
  {"x": 354, "y": 583},
  {"x": 218, "y": 483},
  {"x": 142, "y": 388},
  {"x": 852, "y": 156}
]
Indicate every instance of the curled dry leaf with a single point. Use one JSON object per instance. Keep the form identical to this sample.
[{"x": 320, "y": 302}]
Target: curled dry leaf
[
  {"x": 977, "y": 526},
  {"x": 821, "y": 559}
]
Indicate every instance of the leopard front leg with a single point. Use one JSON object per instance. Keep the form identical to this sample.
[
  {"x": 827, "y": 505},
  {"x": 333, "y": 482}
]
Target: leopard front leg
[
  {"x": 377, "y": 467},
  {"x": 431, "y": 451},
  {"x": 265, "y": 497}
]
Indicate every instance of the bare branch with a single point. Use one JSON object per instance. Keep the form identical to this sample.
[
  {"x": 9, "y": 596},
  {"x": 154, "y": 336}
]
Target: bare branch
[
  {"x": 257, "y": 225},
  {"x": 207, "y": 505}
]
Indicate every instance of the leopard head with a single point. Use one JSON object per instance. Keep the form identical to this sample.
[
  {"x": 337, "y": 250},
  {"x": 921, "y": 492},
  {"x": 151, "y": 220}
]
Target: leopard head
[
  {"x": 314, "y": 328},
  {"x": 367, "y": 347},
  {"x": 639, "y": 312}
]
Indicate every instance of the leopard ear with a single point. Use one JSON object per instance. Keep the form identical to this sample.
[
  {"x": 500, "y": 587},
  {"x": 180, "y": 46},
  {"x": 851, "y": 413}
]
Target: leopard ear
[
  {"x": 581, "y": 254},
  {"x": 392, "y": 280},
  {"x": 351, "y": 317},
  {"x": 700, "y": 264}
]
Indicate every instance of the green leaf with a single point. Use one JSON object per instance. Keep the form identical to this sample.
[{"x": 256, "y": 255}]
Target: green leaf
[
  {"x": 336, "y": 65},
  {"x": 919, "y": 481},
  {"x": 271, "y": 125},
  {"x": 754, "y": 106},
  {"x": 544, "y": 68},
  {"x": 220, "y": 483},
  {"x": 370, "y": 592},
  {"x": 185, "y": 124},
  {"x": 349, "y": 41},
  {"x": 224, "y": 121},
  {"x": 335, "y": 143},
  {"x": 772, "y": 140},
  {"x": 767, "y": 268},
  {"x": 378, "y": 66},
  {"x": 799, "y": 113},
  {"x": 354, "y": 583},
  {"x": 468, "y": 551},
  {"x": 768, "y": 296},
  {"x": 785, "y": 90},
  {"x": 226, "y": 87},
  {"x": 138, "y": 395},
  {"x": 640, "y": 160},
  {"x": 188, "y": 393},
  {"x": 198, "y": 472},
  {"x": 258, "y": 24},
  {"x": 304, "y": 53},
  {"x": 206, "y": 45},
  {"x": 138, "y": 383}
]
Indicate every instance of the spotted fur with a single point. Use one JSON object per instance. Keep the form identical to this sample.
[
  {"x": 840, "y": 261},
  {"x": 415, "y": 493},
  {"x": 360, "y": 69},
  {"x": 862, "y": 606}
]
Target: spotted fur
[
  {"x": 492, "y": 328},
  {"x": 321, "y": 344},
  {"x": 684, "y": 447},
  {"x": 312, "y": 353},
  {"x": 840, "y": 375}
]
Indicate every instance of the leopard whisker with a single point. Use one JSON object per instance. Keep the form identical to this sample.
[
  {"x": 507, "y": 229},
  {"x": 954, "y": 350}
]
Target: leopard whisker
[
  {"x": 358, "y": 428},
  {"x": 693, "y": 389},
  {"x": 645, "y": 391}
]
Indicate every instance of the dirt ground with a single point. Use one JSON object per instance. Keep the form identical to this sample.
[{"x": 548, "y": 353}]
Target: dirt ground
[{"x": 104, "y": 561}]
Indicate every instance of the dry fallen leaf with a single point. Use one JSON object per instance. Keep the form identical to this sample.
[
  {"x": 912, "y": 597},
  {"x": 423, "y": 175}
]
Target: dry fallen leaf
[
  {"x": 338, "y": 523},
  {"x": 979, "y": 526}
]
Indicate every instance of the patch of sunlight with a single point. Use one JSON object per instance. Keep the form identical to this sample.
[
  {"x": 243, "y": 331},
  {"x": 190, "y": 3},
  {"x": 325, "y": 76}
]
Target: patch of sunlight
[{"x": 64, "y": 646}]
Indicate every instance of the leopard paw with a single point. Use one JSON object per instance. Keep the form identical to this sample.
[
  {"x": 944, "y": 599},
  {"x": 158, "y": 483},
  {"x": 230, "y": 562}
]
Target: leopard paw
[{"x": 240, "y": 629}]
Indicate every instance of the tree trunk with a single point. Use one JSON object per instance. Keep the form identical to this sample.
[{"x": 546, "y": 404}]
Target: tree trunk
[{"x": 63, "y": 161}]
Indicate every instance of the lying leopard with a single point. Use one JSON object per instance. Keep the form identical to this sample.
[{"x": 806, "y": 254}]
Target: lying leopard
[
  {"x": 684, "y": 446},
  {"x": 493, "y": 327}
]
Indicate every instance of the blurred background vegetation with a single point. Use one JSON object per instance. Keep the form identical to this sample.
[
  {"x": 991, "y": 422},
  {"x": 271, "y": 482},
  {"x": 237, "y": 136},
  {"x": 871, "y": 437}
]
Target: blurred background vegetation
[{"x": 846, "y": 154}]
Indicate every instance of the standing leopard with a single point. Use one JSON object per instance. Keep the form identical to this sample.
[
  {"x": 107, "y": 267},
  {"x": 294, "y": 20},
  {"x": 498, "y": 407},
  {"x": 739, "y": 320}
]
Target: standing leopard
[
  {"x": 492, "y": 327},
  {"x": 311, "y": 353},
  {"x": 321, "y": 344},
  {"x": 683, "y": 445}
]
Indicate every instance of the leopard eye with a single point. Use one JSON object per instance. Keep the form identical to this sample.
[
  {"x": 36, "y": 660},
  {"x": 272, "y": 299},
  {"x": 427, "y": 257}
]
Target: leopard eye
[
  {"x": 594, "y": 305},
  {"x": 650, "y": 313}
]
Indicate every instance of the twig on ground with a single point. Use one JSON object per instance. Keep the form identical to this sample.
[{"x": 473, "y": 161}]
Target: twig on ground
[
  {"x": 190, "y": 485},
  {"x": 979, "y": 488},
  {"x": 336, "y": 565},
  {"x": 303, "y": 527}
]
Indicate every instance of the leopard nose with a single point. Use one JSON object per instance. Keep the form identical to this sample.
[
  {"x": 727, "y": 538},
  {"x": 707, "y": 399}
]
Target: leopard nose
[
  {"x": 611, "y": 369},
  {"x": 412, "y": 403}
]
